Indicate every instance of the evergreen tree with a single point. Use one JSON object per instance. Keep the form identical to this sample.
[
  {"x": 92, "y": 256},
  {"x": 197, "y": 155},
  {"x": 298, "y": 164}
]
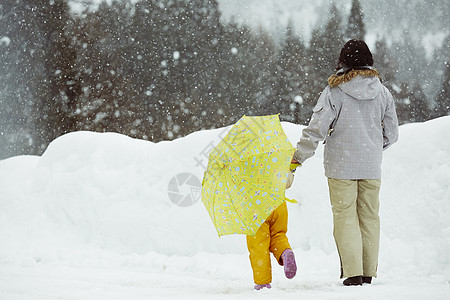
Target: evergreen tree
[
  {"x": 246, "y": 72},
  {"x": 413, "y": 69},
  {"x": 108, "y": 102},
  {"x": 60, "y": 91},
  {"x": 385, "y": 62},
  {"x": 323, "y": 54},
  {"x": 21, "y": 78},
  {"x": 233, "y": 71},
  {"x": 263, "y": 65},
  {"x": 411, "y": 104},
  {"x": 401, "y": 94},
  {"x": 289, "y": 102},
  {"x": 197, "y": 66},
  {"x": 419, "y": 109},
  {"x": 442, "y": 105},
  {"x": 12, "y": 107},
  {"x": 149, "y": 67},
  {"x": 149, "y": 70},
  {"x": 355, "y": 26},
  {"x": 413, "y": 66}
]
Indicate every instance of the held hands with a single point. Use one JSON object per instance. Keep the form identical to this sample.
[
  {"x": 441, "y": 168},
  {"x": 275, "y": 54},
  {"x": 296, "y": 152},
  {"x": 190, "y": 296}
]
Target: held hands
[
  {"x": 294, "y": 165},
  {"x": 290, "y": 178}
]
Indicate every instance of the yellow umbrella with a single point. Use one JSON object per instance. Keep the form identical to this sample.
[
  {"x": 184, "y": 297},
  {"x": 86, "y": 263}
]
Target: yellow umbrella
[{"x": 246, "y": 175}]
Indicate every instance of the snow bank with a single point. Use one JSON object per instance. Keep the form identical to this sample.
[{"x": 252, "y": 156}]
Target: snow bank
[
  {"x": 91, "y": 196},
  {"x": 93, "y": 191}
]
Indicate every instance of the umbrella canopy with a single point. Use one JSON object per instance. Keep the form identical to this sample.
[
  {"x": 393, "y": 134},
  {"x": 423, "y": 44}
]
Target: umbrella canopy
[{"x": 246, "y": 175}]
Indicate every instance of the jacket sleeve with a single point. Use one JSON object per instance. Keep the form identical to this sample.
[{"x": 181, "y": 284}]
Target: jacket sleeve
[
  {"x": 390, "y": 123},
  {"x": 317, "y": 130}
]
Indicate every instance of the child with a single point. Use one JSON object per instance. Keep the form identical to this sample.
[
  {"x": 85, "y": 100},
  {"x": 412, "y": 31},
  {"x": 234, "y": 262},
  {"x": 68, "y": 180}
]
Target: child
[{"x": 271, "y": 237}]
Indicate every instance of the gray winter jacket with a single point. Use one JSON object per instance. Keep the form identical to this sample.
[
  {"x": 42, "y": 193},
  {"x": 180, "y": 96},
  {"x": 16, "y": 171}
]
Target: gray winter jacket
[{"x": 356, "y": 119}]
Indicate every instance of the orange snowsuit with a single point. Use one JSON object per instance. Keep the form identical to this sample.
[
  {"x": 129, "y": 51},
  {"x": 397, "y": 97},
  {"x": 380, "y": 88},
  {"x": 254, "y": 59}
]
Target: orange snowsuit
[{"x": 271, "y": 237}]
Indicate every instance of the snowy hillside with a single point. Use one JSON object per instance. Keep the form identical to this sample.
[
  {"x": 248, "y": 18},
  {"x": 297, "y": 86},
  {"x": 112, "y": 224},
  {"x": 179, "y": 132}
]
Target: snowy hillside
[{"x": 104, "y": 216}]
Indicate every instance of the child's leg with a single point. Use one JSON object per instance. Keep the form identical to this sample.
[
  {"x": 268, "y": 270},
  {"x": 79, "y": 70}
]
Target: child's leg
[
  {"x": 279, "y": 245},
  {"x": 258, "y": 246},
  {"x": 278, "y": 228}
]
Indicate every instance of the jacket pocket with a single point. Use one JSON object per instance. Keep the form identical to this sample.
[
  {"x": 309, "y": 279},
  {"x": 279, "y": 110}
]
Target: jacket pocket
[{"x": 317, "y": 108}]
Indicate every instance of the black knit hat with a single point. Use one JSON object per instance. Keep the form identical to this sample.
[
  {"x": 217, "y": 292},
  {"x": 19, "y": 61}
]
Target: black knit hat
[{"x": 355, "y": 53}]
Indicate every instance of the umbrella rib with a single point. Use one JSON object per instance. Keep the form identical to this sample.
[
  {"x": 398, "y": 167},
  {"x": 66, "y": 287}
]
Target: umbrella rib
[
  {"x": 239, "y": 162},
  {"x": 232, "y": 203},
  {"x": 213, "y": 207}
]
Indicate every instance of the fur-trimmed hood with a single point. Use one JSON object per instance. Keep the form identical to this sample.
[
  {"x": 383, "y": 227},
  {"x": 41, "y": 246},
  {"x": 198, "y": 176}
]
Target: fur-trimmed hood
[
  {"x": 342, "y": 77},
  {"x": 362, "y": 84}
]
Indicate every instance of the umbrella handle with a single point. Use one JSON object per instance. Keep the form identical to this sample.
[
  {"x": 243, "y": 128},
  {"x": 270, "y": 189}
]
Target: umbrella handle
[
  {"x": 294, "y": 166},
  {"x": 290, "y": 200}
]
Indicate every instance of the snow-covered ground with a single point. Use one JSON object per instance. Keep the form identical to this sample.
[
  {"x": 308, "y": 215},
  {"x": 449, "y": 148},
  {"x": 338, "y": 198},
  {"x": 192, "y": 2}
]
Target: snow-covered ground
[{"x": 104, "y": 216}]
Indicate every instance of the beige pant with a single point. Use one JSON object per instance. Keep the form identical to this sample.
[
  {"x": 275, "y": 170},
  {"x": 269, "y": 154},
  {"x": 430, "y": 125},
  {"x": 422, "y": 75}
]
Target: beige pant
[{"x": 355, "y": 206}]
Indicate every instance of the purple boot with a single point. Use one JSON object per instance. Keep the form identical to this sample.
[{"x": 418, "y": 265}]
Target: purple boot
[
  {"x": 261, "y": 286},
  {"x": 290, "y": 267}
]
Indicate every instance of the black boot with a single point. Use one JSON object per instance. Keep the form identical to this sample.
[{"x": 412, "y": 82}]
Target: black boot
[
  {"x": 356, "y": 280},
  {"x": 367, "y": 279}
]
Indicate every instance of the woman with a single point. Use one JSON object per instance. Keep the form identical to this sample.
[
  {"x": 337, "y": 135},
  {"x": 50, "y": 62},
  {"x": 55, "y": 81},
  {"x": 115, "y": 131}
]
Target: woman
[{"x": 355, "y": 117}]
